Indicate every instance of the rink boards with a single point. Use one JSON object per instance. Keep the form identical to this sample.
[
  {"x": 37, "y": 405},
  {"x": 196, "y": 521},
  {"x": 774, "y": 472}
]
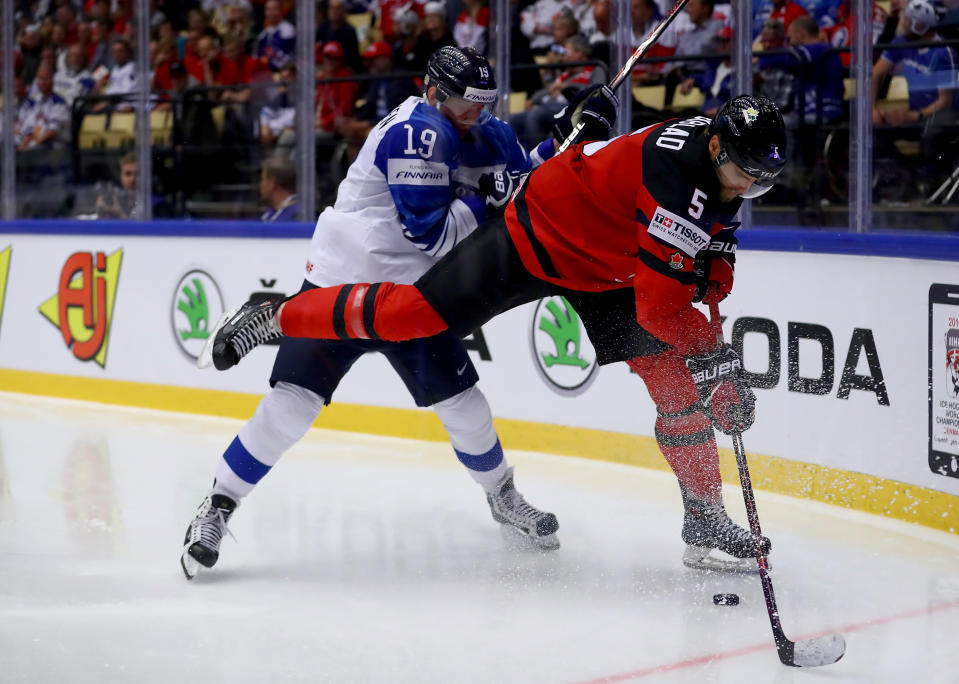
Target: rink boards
[{"x": 841, "y": 348}]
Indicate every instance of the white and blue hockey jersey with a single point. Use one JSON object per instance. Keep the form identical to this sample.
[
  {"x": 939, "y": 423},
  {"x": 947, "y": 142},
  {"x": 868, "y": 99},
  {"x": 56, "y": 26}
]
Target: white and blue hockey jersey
[{"x": 409, "y": 197}]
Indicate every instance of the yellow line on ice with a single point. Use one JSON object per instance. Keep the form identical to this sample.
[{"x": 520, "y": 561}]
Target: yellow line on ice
[{"x": 843, "y": 488}]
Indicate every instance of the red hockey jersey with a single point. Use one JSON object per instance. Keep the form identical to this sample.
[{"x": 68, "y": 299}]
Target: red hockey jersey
[{"x": 630, "y": 212}]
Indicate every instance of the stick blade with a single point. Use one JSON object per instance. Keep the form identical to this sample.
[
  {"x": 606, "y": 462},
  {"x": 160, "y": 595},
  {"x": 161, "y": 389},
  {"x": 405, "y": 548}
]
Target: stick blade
[{"x": 824, "y": 650}]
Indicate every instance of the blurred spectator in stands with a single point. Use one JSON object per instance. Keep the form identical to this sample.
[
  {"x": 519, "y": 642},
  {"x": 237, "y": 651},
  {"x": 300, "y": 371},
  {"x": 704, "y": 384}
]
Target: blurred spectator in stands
[
  {"x": 48, "y": 58},
  {"x": 930, "y": 73},
  {"x": 247, "y": 68},
  {"x": 99, "y": 49},
  {"x": 717, "y": 81},
  {"x": 278, "y": 190},
  {"x": 389, "y": 12},
  {"x": 120, "y": 80},
  {"x": 66, "y": 18},
  {"x": 599, "y": 38},
  {"x": 771, "y": 81},
  {"x": 198, "y": 26},
  {"x": 24, "y": 112},
  {"x": 276, "y": 43},
  {"x": 406, "y": 32},
  {"x": 535, "y": 123},
  {"x": 891, "y": 29},
  {"x": 334, "y": 101},
  {"x": 818, "y": 71},
  {"x": 48, "y": 125},
  {"x": 536, "y": 23},
  {"x": 213, "y": 69},
  {"x": 645, "y": 16},
  {"x": 277, "y": 116},
  {"x": 123, "y": 22},
  {"x": 239, "y": 24},
  {"x": 435, "y": 34},
  {"x": 379, "y": 96},
  {"x": 337, "y": 29},
  {"x": 564, "y": 26},
  {"x": 164, "y": 31},
  {"x": 838, "y": 33},
  {"x": 693, "y": 33},
  {"x": 120, "y": 201},
  {"x": 31, "y": 48},
  {"x": 780, "y": 10},
  {"x": 74, "y": 79},
  {"x": 472, "y": 26},
  {"x": 219, "y": 12}
]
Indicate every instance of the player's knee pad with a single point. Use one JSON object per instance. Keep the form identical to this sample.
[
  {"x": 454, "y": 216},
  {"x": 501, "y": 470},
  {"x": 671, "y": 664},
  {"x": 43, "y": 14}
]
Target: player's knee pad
[
  {"x": 668, "y": 381},
  {"x": 402, "y": 313},
  {"x": 282, "y": 418},
  {"x": 468, "y": 421}
]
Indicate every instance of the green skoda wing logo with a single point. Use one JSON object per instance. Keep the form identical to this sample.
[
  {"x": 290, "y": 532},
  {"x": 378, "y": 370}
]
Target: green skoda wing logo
[
  {"x": 196, "y": 310},
  {"x": 562, "y": 352},
  {"x": 197, "y": 305},
  {"x": 565, "y": 331}
]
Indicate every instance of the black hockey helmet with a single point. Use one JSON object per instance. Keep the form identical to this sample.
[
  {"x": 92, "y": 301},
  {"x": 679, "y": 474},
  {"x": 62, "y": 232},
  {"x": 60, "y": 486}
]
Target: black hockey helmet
[
  {"x": 752, "y": 136},
  {"x": 463, "y": 73}
]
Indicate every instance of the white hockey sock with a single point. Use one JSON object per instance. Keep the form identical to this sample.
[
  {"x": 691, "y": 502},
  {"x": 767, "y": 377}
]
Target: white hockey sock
[
  {"x": 282, "y": 418},
  {"x": 469, "y": 423}
]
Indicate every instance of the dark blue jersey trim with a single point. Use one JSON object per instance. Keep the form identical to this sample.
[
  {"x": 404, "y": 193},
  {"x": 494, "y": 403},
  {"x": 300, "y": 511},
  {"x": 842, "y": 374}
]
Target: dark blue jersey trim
[
  {"x": 163, "y": 228},
  {"x": 944, "y": 247}
]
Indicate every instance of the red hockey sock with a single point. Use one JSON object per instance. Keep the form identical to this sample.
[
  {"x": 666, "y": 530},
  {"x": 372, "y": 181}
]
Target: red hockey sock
[
  {"x": 360, "y": 311},
  {"x": 684, "y": 433}
]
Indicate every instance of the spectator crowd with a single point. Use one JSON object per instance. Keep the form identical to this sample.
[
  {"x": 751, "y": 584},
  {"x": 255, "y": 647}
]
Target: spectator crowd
[{"x": 237, "y": 57}]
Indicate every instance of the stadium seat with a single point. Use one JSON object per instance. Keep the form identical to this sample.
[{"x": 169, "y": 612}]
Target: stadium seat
[
  {"x": 122, "y": 130},
  {"x": 651, "y": 96},
  {"x": 694, "y": 99},
  {"x": 897, "y": 97},
  {"x": 92, "y": 131},
  {"x": 219, "y": 117},
  {"x": 517, "y": 102},
  {"x": 161, "y": 127}
]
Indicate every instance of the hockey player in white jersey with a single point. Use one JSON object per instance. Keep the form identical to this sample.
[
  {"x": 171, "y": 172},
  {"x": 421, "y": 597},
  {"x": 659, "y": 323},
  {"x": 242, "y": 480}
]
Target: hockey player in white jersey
[{"x": 419, "y": 185}]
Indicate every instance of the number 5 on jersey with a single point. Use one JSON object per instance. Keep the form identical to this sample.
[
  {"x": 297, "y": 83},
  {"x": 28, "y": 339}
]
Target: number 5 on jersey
[{"x": 696, "y": 205}]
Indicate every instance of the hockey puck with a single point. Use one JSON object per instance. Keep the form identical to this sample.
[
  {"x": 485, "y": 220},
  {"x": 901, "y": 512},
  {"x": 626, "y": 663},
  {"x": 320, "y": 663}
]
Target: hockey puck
[{"x": 726, "y": 599}]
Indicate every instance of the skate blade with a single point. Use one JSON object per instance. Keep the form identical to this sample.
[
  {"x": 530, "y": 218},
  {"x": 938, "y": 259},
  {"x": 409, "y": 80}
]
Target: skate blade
[
  {"x": 702, "y": 558},
  {"x": 205, "y": 359},
  {"x": 518, "y": 540},
  {"x": 189, "y": 564}
]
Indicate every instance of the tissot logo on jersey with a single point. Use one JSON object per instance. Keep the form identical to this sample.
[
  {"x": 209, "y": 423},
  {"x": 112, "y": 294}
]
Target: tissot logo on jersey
[
  {"x": 416, "y": 172},
  {"x": 676, "y": 231}
]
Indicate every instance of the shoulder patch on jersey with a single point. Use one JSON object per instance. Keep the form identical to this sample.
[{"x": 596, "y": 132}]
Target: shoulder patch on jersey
[
  {"x": 416, "y": 172},
  {"x": 677, "y": 231}
]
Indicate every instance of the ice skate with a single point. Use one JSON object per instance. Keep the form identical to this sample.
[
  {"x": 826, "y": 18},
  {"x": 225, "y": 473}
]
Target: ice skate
[
  {"x": 240, "y": 330},
  {"x": 510, "y": 508},
  {"x": 707, "y": 526},
  {"x": 201, "y": 546}
]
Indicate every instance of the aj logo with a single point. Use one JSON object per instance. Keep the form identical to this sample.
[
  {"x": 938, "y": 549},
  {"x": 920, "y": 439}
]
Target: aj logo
[
  {"x": 562, "y": 351},
  {"x": 83, "y": 307},
  {"x": 4, "y": 273}
]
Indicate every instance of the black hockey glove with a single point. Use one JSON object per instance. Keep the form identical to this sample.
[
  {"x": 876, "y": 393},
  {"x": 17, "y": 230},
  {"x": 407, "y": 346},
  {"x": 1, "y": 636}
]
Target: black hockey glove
[
  {"x": 723, "y": 391},
  {"x": 498, "y": 187},
  {"x": 595, "y": 106},
  {"x": 714, "y": 267}
]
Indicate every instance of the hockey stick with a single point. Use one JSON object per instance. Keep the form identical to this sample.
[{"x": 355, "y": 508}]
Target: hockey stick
[
  {"x": 823, "y": 650},
  {"x": 628, "y": 66}
]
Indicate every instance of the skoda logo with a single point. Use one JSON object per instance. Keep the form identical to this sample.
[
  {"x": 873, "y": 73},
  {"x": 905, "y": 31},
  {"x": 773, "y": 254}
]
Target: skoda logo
[
  {"x": 562, "y": 352},
  {"x": 196, "y": 307}
]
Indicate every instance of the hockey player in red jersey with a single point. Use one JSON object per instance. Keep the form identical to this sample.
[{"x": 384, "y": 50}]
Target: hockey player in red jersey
[{"x": 632, "y": 231}]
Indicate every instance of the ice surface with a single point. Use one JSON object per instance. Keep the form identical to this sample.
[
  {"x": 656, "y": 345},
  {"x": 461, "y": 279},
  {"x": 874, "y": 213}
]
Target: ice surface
[{"x": 366, "y": 559}]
